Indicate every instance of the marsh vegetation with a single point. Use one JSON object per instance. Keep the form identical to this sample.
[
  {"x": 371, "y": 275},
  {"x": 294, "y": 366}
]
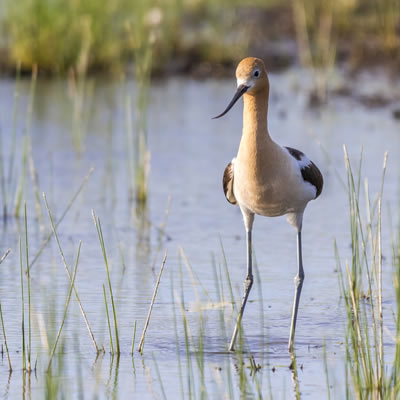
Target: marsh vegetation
[
  {"x": 102, "y": 175},
  {"x": 197, "y": 36}
]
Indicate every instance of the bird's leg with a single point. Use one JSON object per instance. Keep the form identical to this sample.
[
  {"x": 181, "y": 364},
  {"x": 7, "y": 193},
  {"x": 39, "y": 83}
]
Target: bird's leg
[
  {"x": 248, "y": 283},
  {"x": 298, "y": 281}
]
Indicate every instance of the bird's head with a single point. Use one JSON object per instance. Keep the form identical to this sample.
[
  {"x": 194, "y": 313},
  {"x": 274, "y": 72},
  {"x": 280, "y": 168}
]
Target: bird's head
[{"x": 251, "y": 77}]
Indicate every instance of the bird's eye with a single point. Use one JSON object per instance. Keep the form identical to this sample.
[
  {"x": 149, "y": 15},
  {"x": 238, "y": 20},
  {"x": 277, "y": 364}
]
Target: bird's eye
[{"x": 256, "y": 73}]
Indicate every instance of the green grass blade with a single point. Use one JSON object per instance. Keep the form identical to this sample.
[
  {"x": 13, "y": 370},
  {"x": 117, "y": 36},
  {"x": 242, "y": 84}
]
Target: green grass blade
[
  {"x": 108, "y": 321},
  {"x": 103, "y": 250},
  {"x": 65, "y": 308},
  {"x": 69, "y": 274}
]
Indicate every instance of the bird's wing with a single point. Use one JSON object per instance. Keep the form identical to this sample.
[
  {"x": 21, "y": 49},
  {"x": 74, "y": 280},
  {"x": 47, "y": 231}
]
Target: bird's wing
[
  {"x": 309, "y": 171},
  {"x": 227, "y": 183}
]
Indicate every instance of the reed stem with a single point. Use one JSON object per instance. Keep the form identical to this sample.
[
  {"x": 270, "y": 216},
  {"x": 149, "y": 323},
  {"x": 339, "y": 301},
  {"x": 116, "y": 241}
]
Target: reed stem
[
  {"x": 22, "y": 308},
  {"x": 71, "y": 202},
  {"x": 65, "y": 308},
  {"x": 4, "y": 256},
  {"x": 29, "y": 292},
  {"x": 53, "y": 227},
  {"x": 133, "y": 338},
  {"x": 141, "y": 343},
  {"x": 5, "y": 340},
  {"x": 103, "y": 250},
  {"x": 108, "y": 321}
]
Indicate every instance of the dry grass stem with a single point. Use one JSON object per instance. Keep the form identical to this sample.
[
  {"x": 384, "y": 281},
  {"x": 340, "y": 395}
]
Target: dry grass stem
[
  {"x": 5, "y": 340},
  {"x": 71, "y": 202},
  {"x": 4, "y": 256},
  {"x": 141, "y": 343}
]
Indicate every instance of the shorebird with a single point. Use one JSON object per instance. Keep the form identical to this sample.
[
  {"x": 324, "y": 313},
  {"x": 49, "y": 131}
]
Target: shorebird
[{"x": 266, "y": 178}]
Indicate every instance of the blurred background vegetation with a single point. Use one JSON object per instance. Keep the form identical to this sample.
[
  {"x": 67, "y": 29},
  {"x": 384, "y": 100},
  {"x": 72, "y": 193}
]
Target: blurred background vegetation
[{"x": 195, "y": 36}]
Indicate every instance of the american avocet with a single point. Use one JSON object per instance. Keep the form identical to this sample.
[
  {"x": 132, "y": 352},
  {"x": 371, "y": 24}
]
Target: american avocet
[{"x": 266, "y": 178}]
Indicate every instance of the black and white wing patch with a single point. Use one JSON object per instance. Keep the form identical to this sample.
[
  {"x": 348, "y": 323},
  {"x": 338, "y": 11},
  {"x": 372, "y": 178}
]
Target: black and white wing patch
[
  {"x": 309, "y": 171},
  {"x": 227, "y": 183}
]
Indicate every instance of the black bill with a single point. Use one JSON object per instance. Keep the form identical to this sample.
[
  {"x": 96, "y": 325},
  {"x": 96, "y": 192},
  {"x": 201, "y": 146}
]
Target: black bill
[{"x": 241, "y": 90}]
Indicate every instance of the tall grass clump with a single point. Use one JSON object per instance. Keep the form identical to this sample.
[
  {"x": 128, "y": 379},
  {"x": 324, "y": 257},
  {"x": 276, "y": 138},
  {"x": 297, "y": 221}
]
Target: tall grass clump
[
  {"x": 142, "y": 30},
  {"x": 388, "y": 18},
  {"x": 371, "y": 375},
  {"x": 8, "y": 174},
  {"x": 314, "y": 23},
  {"x": 27, "y": 156},
  {"x": 12, "y": 175},
  {"x": 61, "y": 35},
  {"x": 61, "y": 31},
  {"x": 395, "y": 377},
  {"x": 151, "y": 32}
]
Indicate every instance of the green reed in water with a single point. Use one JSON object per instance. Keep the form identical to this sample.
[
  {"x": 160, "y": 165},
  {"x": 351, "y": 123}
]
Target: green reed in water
[
  {"x": 22, "y": 308},
  {"x": 8, "y": 176},
  {"x": 4, "y": 256},
  {"x": 29, "y": 293},
  {"x": 372, "y": 377},
  {"x": 103, "y": 250},
  {"x": 133, "y": 338},
  {"x": 140, "y": 33},
  {"x": 315, "y": 23},
  {"x": 238, "y": 372},
  {"x": 53, "y": 227},
  {"x": 9, "y": 171},
  {"x": 65, "y": 308},
  {"x": 141, "y": 343},
  {"x": 108, "y": 321}
]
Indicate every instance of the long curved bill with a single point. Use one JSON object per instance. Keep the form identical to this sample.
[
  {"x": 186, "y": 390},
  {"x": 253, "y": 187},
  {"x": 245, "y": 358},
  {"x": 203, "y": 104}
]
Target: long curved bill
[{"x": 241, "y": 90}]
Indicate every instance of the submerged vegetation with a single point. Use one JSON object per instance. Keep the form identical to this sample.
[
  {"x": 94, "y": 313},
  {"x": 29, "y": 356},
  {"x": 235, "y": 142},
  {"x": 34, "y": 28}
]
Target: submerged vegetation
[{"x": 195, "y": 35}]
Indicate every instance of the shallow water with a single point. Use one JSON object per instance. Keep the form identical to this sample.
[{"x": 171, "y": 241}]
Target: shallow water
[{"x": 189, "y": 152}]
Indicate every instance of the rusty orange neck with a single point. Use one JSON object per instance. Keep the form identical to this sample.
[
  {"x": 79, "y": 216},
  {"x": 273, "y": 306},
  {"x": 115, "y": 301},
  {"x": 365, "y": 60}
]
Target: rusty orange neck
[{"x": 255, "y": 137}]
